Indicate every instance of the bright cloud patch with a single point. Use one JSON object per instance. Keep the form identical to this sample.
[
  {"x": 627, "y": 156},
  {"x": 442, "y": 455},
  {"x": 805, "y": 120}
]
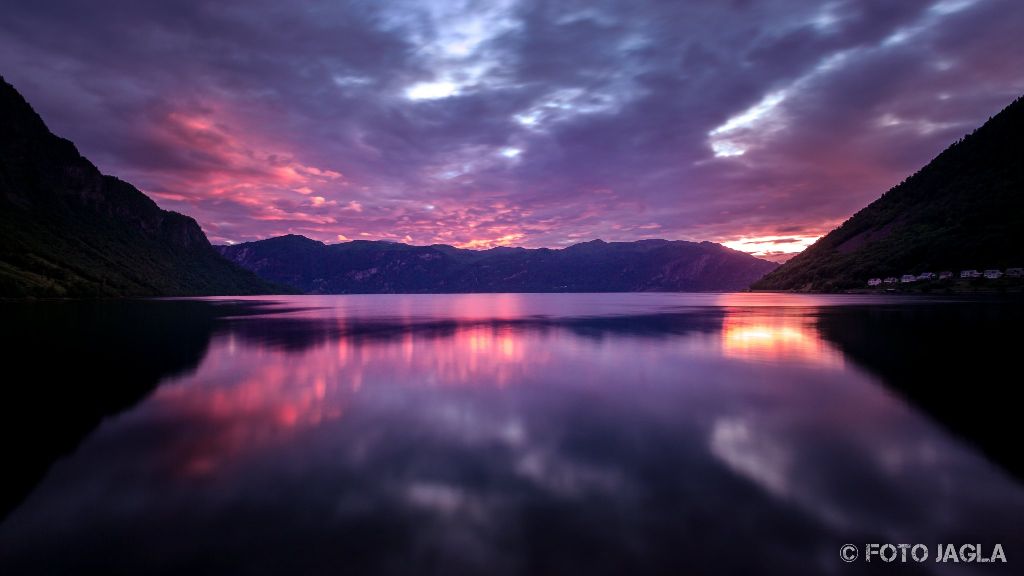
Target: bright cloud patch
[
  {"x": 431, "y": 90},
  {"x": 777, "y": 248}
]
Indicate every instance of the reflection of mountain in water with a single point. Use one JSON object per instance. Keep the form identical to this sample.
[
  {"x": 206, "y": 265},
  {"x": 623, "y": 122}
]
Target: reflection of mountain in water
[
  {"x": 82, "y": 361},
  {"x": 70, "y": 364},
  {"x": 298, "y": 334},
  {"x": 369, "y": 436},
  {"x": 955, "y": 361}
]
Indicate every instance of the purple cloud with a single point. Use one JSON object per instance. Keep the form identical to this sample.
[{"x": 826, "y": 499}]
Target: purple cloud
[{"x": 515, "y": 122}]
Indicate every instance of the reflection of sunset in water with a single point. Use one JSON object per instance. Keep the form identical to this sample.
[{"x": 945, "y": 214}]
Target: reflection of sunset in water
[
  {"x": 776, "y": 337},
  {"x": 608, "y": 426},
  {"x": 248, "y": 398},
  {"x": 253, "y": 396}
]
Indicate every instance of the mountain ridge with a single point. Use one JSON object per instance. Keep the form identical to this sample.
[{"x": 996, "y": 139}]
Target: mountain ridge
[
  {"x": 367, "y": 266},
  {"x": 67, "y": 230}
]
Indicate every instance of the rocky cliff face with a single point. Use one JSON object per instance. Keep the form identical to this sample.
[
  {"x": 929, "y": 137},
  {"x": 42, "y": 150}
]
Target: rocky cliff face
[
  {"x": 68, "y": 230},
  {"x": 597, "y": 266}
]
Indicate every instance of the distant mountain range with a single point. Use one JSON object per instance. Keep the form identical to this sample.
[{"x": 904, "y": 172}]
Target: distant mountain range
[
  {"x": 68, "y": 230},
  {"x": 596, "y": 266},
  {"x": 964, "y": 210}
]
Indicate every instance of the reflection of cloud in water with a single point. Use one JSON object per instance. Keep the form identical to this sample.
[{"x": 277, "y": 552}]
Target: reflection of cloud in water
[
  {"x": 769, "y": 458},
  {"x": 254, "y": 395},
  {"x": 529, "y": 445},
  {"x": 751, "y": 455},
  {"x": 855, "y": 459}
]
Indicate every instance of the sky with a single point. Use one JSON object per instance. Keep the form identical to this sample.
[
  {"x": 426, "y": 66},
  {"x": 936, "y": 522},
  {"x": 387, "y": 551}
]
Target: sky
[{"x": 761, "y": 125}]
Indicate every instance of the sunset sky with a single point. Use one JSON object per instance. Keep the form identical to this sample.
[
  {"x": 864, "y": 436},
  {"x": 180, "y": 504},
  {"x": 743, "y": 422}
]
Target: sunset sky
[{"x": 502, "y": 122}]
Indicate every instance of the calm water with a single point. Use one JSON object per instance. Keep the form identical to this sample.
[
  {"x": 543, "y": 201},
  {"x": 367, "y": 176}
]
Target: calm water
[{"x": 507, "y": 434}]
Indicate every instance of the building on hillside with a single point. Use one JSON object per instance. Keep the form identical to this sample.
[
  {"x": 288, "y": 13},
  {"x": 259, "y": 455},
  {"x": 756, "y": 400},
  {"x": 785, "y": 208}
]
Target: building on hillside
[
  {"x": 926, "y": 276},
  {"x": 970, "y": 274},
  {"x": 908, "y": 278},
  {"x": 946, "y": 275},
  {"x": 875, "y": 282},
  {"x": 1015, "y": 272},
  {"x": 993, "y": 274}
]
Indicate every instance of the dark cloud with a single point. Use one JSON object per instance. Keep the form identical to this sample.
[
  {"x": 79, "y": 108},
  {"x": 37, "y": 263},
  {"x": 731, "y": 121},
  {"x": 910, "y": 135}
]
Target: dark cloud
[{"x": 523, "y": 122}]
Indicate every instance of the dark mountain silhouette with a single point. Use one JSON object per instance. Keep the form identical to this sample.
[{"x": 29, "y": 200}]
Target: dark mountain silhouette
[
  {"x": 68, "y": 230},
  {"x": 72, "y": 363},
  {"x": 58, "y": 353},
  {"x": 596, "y": 266},
  {"x": 919, "y": 351},
  {"x": 964, "y": 210}
]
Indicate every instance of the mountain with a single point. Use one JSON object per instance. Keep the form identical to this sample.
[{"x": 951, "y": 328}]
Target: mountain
[
  {"x": 964, "y": 210},
  {"x": 68, "y": 230},
  {"x": 385, "y": 267}
]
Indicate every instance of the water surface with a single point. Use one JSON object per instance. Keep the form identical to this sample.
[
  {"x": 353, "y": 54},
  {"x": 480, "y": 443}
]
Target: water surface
[{"x": 505, "y": 434}]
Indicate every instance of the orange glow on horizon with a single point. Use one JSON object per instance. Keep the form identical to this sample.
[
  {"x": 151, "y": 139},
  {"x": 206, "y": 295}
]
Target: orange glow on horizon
[
  {"x": 771, "y": 246},
  {"x": 484, "y": 243}
]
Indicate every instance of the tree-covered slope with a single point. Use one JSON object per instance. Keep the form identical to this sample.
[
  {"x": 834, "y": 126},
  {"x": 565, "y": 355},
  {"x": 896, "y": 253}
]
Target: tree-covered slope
[
  {"x": 964, "y": 210},
  {"x": 68, "y": 230}
]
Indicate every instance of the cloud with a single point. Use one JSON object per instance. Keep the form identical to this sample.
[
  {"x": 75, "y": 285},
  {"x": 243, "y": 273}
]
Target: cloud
[{"x": 528, "y": 123}]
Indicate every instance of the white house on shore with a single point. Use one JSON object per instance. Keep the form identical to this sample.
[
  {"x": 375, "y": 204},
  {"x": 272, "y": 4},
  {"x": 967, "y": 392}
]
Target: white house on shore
[{"x": 991, "y": 274}]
